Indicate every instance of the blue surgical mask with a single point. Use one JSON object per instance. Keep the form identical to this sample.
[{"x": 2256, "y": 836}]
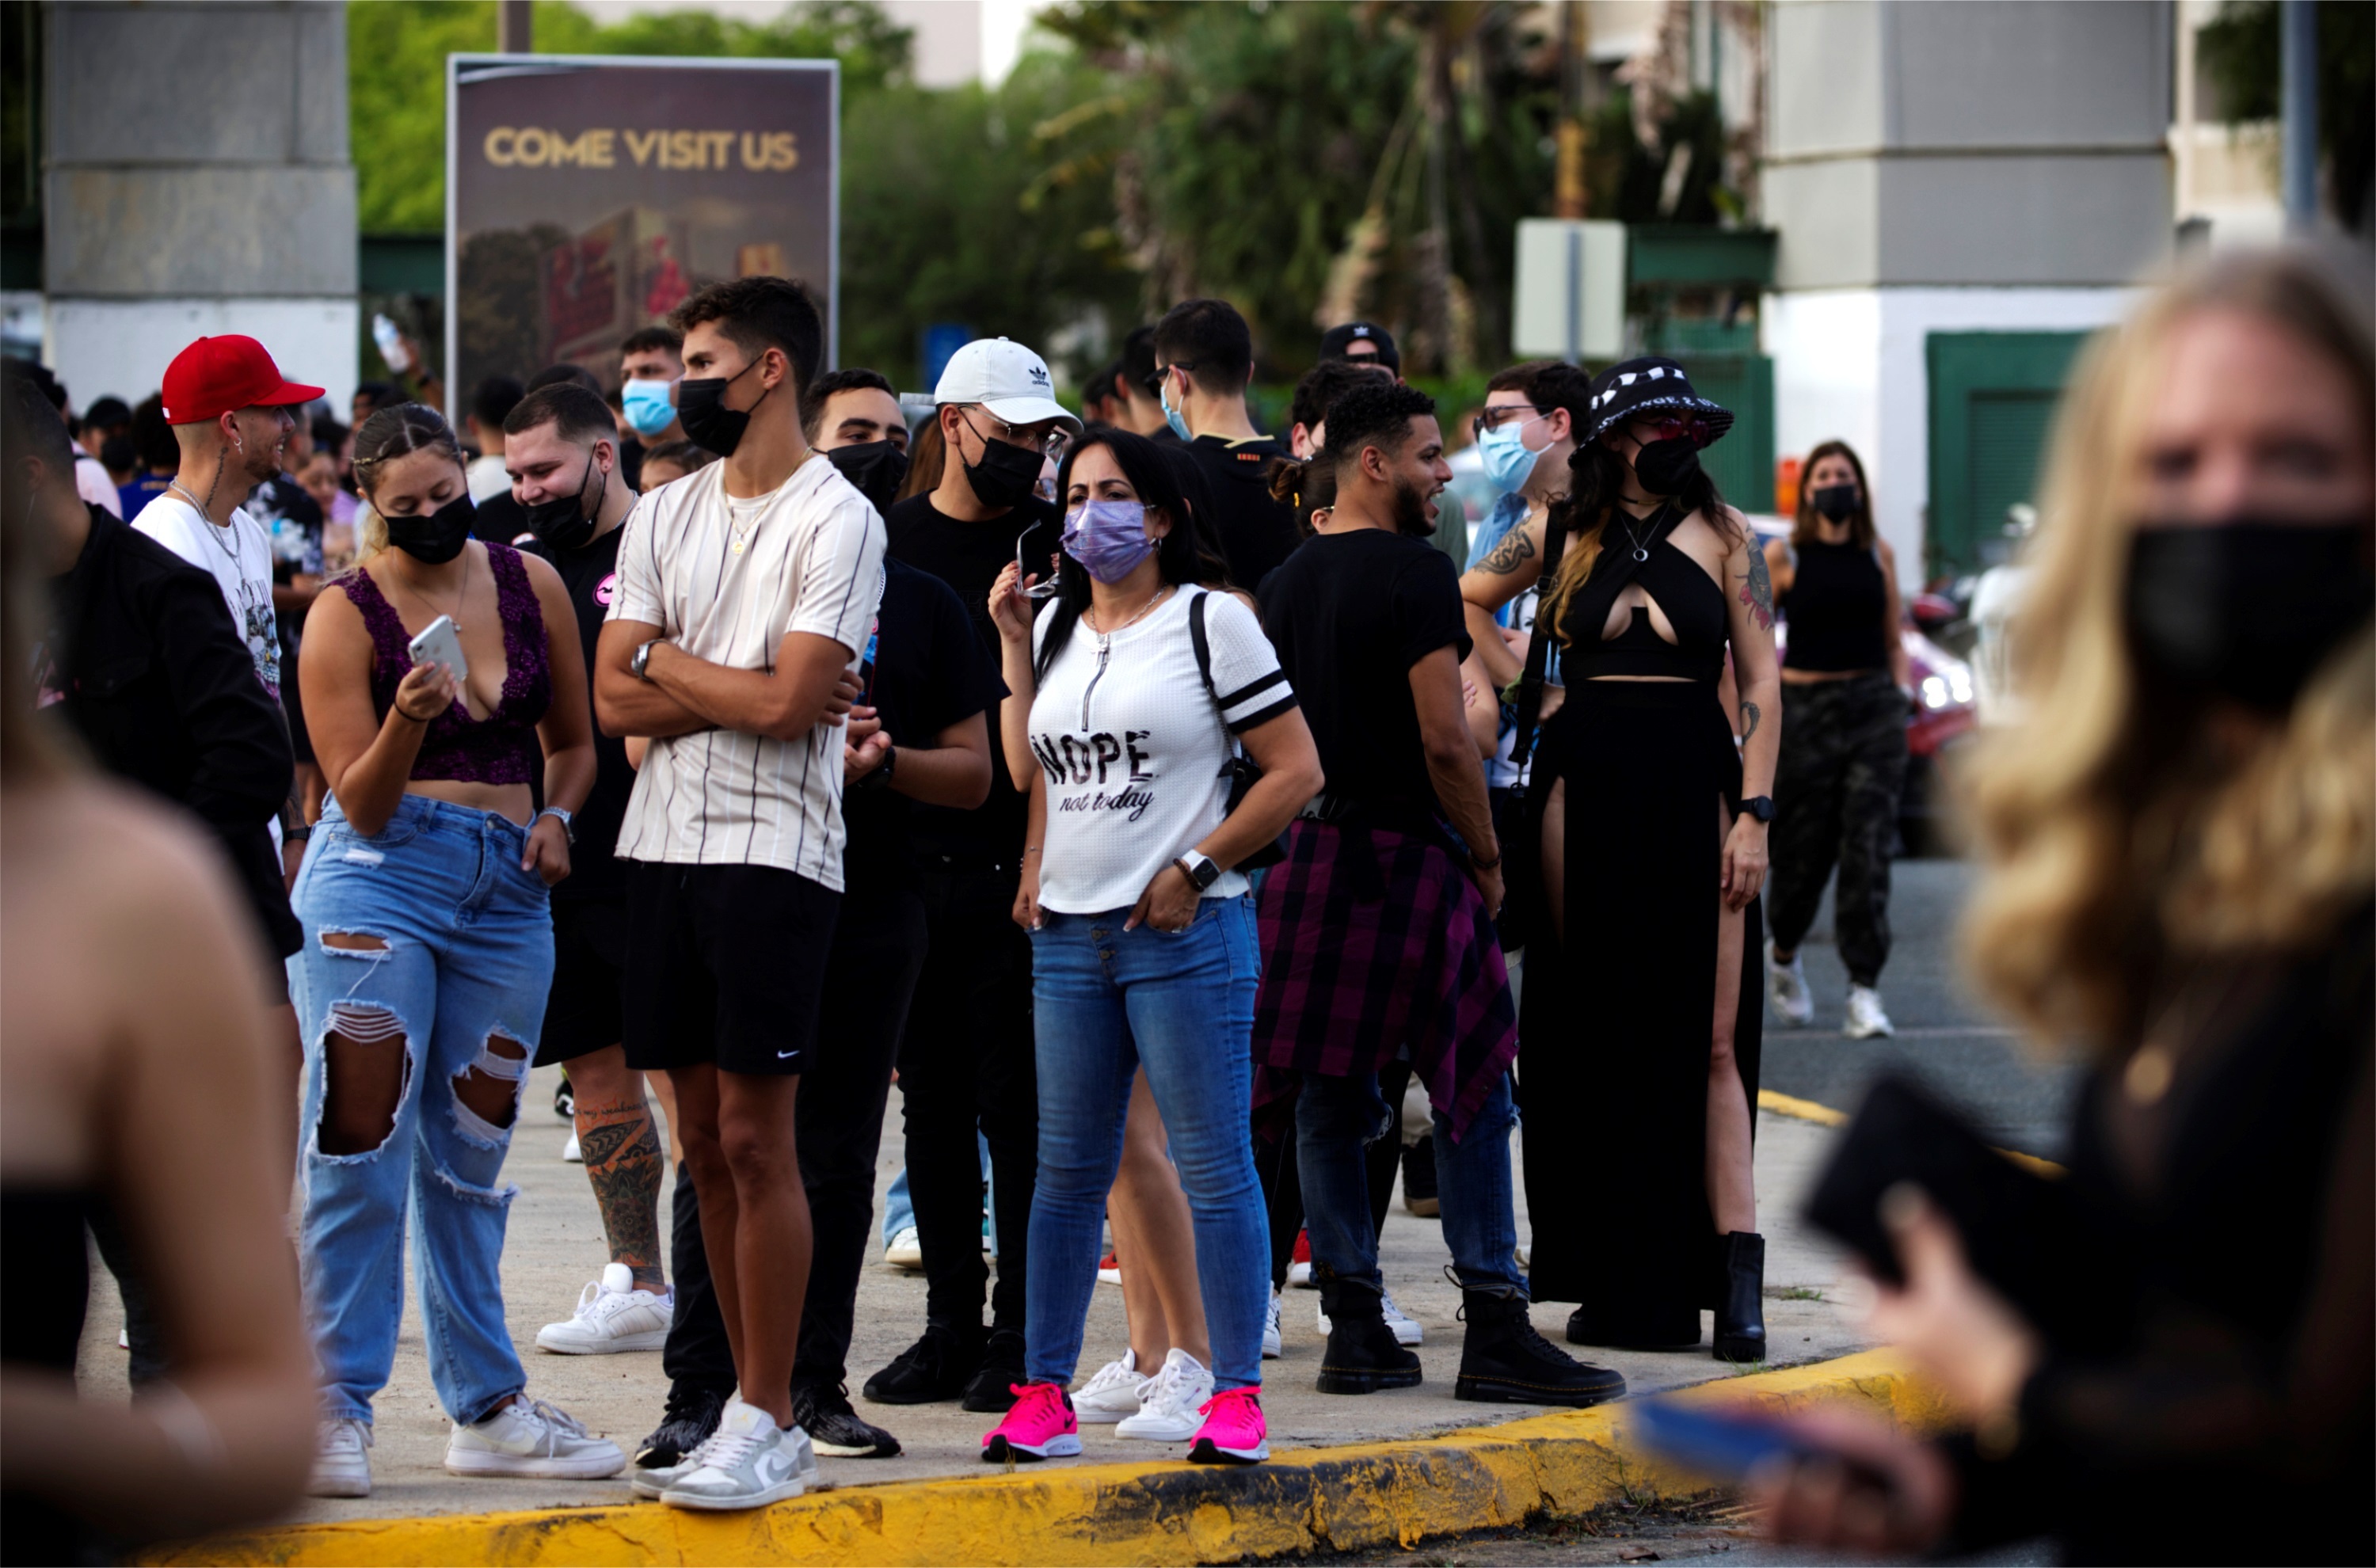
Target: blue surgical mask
[
  {"x": 1509, "y": 461},
  {"x": 1171, "y": 416},
  {"x": 648, "y": 405}
]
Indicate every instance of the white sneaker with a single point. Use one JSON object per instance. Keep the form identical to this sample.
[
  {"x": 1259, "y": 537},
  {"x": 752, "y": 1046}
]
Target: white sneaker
[
  {"x": 571, "y": 1152},
  {"x": 749, "y": 1463},
  {"x": 1171, "y": 1403},
  {"x": 1865, "y": 1017},
  {"x": 1274, "y": 1346},
  {"x": 904, "y": 1250},
  {"x": 1407, "y": 1329},
  {"x": 341, "y": 1458},
  {"x": 1787, "y": 984},
  {"x": 612, "y": 1315},
  {"x": 529, "y": 1437},
  {"x": 1110, "y": 1395}
]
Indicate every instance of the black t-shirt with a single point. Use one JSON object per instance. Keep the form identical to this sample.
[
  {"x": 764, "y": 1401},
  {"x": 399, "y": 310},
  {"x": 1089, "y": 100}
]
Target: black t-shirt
[
  {"x": 1256, "y": 532},
  {"x": 968, "y": 557},
  {"x": 1350, "y": 614},
  {"x": 925, "y": 669},
  {"x": 590, "y": 571}
]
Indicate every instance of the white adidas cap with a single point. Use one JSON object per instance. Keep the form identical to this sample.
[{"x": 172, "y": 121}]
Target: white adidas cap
[{"x": 1004, "y": 377}]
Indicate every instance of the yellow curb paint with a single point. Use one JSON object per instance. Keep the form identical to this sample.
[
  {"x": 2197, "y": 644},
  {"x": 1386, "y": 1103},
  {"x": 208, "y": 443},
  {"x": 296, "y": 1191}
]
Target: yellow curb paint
[
  {"x": 1824, "y": 1115},
  {"x": 1160, "y": 1511}
]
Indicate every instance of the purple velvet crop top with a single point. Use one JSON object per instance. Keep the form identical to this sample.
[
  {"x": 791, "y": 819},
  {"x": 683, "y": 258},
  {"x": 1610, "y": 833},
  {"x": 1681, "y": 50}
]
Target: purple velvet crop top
[{"x": 502, "y": 748}]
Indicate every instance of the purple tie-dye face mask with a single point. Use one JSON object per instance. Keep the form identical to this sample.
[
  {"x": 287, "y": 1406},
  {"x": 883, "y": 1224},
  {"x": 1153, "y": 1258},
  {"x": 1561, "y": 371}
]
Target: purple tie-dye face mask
[{"x": 1107, "y": 537}]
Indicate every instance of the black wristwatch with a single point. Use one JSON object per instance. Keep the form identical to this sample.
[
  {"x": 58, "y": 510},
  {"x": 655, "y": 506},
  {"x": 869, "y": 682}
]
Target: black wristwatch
[
  {"x": 881, "y": 778},
  {"x": 1759, "y": 806},
  {"x": 1199, "y": 870}
]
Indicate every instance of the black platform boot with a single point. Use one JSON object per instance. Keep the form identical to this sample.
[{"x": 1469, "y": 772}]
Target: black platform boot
[
  {"x": 1362, "y": 1356},
  {"x": 1504, "y": 1361},
  {"x": 1740, "y": 1317}
]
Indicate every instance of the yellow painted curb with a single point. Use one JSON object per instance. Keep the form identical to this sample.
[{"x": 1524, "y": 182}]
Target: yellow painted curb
[
  {"x": 1824, "y": 1115},
  {"x": 1165, "y": 1511}
]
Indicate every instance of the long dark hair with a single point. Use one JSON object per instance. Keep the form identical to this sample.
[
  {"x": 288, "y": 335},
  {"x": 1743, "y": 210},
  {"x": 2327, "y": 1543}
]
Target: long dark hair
[
  {"x": 1598, "y": 479},
  {"x": 1804, "y": 529},
  {"x": 1179, "y": 558}
]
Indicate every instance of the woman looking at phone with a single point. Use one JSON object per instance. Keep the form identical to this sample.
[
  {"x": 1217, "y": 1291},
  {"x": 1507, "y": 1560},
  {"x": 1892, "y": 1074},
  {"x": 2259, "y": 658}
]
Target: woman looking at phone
[
  {"x": 1143, "y": 942},
  {"x": 428, "y": 952},
  {"x": 2180, "y": 844}
]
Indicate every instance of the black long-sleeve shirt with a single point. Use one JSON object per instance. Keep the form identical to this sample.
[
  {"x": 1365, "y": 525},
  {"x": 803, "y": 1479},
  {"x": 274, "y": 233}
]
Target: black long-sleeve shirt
[{"x": 147, "y": 668}]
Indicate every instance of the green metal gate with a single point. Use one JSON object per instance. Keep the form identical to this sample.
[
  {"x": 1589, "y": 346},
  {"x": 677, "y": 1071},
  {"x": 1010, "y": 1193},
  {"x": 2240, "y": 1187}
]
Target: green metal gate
[{"x": 1992, "y": 401}]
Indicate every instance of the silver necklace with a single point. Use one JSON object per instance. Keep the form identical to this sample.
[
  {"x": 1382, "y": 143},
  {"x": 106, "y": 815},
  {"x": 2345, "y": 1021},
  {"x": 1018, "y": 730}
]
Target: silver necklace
[
  {"x": 1152, "y": 600},
  {"x": 225, "y": 535}
]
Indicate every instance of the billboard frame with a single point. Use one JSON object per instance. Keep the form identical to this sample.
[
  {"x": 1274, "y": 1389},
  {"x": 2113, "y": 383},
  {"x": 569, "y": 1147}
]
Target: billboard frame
[{"x": 481, "y": 65}]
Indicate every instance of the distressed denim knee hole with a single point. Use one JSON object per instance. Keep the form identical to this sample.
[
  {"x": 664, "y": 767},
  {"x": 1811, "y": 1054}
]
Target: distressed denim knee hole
[
  {"x": 487, "y": 1092},
  {"x": 365, "y": 1082}
]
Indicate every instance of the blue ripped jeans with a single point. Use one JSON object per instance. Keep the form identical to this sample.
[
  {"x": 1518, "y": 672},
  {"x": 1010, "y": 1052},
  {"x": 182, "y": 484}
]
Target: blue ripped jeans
[{"x": 462, "y": 954}]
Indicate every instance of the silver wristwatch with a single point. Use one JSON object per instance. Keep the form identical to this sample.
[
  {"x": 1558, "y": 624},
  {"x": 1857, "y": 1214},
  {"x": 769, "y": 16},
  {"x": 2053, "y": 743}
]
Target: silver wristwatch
[{"x": 568, "y": 823}]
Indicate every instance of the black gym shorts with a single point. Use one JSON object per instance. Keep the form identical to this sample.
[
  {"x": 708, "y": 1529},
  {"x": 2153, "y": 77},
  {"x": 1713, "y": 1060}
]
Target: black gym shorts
[
  {"x": 584, "y": 1011},
  {"x": 727, "y": 965}
]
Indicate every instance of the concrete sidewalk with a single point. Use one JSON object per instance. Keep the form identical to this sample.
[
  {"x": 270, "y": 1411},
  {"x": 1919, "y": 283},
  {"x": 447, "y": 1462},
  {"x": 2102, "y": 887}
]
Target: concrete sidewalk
[{"x": 555, "y": 1246}]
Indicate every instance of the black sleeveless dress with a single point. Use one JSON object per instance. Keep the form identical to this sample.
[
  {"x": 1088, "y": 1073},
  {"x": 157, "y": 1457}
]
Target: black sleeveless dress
[{"x": 1617, "y": 1022}]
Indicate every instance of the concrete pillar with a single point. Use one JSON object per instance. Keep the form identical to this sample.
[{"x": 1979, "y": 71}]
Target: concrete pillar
[{"x": 197, "y": 181}]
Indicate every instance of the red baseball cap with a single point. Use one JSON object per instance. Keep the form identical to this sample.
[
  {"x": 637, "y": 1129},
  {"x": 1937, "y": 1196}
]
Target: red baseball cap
[{"x": 218, "y": 375}]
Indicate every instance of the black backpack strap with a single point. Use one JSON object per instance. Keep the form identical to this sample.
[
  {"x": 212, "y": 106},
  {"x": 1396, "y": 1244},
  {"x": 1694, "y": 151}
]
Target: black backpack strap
[
  {"x": 1538, "y": 642},
  {"x": 1197, "y": 640}
]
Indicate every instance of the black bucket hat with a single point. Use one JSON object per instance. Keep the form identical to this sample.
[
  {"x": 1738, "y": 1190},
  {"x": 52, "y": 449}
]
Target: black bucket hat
[{"x": 1638, "y": 386}]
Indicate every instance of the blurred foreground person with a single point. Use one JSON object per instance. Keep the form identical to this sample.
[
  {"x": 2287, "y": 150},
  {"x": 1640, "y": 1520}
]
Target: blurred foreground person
[
  {"x": 2179, "y": 844},
  {"x": 166, "y": 1055}
]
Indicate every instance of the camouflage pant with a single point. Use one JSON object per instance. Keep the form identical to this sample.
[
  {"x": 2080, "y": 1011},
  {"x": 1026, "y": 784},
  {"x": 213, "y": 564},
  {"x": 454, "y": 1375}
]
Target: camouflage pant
[{"x": 1835, "y": 794}]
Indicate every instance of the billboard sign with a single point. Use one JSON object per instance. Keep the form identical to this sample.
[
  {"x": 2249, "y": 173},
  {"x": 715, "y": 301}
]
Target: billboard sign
[{"x": 587, "y": 195}]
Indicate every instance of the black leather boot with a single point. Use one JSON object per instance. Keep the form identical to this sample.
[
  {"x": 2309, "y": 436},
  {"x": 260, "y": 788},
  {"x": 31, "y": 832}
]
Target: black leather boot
[
  {"x": 1362, "y": 1356},
  {"x": 1504, "y": 1361},
  {"x": 1740, "y": 1317}
]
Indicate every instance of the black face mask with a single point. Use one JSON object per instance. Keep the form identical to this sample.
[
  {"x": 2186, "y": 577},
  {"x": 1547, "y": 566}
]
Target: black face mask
[
  {"x": 434, "y": 537},
  {"x": 875, "y": 466},
  {"x": 701, "y": 408},
  {"x": 1837, "y": 502},
  {"x": 2247, "y": 609},
  {"x": 562, "y": 521},
  {"x": 1004, "y": 475},
  {"x": 1665, "y": 467}
]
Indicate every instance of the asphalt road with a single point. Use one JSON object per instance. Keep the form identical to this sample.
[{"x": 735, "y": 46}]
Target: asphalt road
[{"x": 1945, "y": 1034}]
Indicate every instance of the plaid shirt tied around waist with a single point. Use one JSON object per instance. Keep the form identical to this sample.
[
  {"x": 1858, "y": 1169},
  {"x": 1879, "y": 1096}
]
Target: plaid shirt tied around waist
[{"x": 1374, "y": 939}]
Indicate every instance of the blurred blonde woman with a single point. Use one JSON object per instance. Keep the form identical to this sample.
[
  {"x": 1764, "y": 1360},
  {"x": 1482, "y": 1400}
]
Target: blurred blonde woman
[{"x": 2179, "y": 865}]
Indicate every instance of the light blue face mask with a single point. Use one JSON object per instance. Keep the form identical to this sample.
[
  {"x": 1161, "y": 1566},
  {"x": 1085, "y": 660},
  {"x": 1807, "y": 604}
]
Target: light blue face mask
[
  {"x": 648, "y": 408},
  {"x": 1171, "y": 416},
  {"x": 1509, "y": 461}
]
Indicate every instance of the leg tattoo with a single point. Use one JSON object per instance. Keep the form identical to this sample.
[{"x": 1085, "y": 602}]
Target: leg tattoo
[{"x": 624, "y": 1161}]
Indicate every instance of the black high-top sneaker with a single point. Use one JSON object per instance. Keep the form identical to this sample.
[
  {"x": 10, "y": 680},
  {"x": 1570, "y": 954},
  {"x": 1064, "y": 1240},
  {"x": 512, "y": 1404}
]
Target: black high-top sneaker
[
  {"x": 1504, "y": 1361},
  {"x": 1741, "y": 1316},
  {"x": 1362, "y": 1356}
]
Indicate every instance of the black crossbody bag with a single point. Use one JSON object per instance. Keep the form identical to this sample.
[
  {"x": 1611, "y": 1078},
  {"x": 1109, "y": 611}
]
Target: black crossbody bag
[
  {"x": 1243, "y": 771},
  {"x": 1524, "y": 911}
]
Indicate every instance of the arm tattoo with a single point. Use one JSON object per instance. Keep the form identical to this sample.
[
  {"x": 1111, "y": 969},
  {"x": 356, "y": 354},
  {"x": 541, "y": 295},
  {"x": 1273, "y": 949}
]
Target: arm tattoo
[
  {"x": 1757, "y": 591},
  {"x": 1749, "y": 718},
  {"x": 1505, "y": 557}
]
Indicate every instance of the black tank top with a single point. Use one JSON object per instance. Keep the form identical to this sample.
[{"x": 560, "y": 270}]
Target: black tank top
[
  {"x": 1836, "y": 606},
  {"x": 41, "y": 1328},
  {"x": 1638, "y": 550}
]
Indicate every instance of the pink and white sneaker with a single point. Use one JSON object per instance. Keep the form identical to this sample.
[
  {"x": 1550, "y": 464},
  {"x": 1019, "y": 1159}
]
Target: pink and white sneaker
[
  {"x": 1041, "y": 1426},
  {"x": 1233, "y": 1432}
]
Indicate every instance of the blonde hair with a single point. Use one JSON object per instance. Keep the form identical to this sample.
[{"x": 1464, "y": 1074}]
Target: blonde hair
[{"x": 2119, "y": 831}]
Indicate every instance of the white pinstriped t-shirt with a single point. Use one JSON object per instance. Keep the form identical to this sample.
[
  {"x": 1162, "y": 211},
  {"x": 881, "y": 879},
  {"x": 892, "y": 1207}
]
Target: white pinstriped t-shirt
[{"x": 810, "y": 560}]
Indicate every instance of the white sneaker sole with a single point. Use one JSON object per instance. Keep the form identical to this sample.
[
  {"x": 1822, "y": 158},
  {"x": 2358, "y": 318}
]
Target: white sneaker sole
[
  {"x": 1299, "y": 1276},
  {"x": 782, "y": 1491},
  {"x": 1161, "y": 1432},
  {"x": 651, "y": 1483},
  {"x": 1092, "y": 1416},
  {"x": 561, "y": 1345},
  {"x": 478, "y": 1462},
  {"x": 332, "y": 1485},
  {"x": 1867, "y": 1031},
  {"x": 1273, "y": 1347}
]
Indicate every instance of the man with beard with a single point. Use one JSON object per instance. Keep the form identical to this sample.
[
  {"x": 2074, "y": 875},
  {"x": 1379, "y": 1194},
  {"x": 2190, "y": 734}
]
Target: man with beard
[{"x": 1377, "y": 931}]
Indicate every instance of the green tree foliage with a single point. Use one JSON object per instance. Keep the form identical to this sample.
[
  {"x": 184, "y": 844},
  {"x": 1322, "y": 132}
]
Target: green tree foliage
[
  {"x": 950, "y": 213},
  {"x": 2242, "y": 53}
]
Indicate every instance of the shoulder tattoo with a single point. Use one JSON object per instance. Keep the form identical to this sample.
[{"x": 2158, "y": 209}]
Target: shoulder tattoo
[
  {"x": 1505, "y": 558},
  {"x": 1757, "y": 590}
]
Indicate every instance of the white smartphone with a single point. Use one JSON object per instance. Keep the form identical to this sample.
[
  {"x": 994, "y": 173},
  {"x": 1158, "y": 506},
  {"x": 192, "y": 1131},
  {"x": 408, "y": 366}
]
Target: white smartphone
[{"x": 439, "y": 643}]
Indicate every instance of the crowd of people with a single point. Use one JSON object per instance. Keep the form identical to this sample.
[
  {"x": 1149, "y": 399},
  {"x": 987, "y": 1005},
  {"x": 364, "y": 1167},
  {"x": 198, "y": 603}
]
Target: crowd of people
[{"x": 1159, "y": 803}]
